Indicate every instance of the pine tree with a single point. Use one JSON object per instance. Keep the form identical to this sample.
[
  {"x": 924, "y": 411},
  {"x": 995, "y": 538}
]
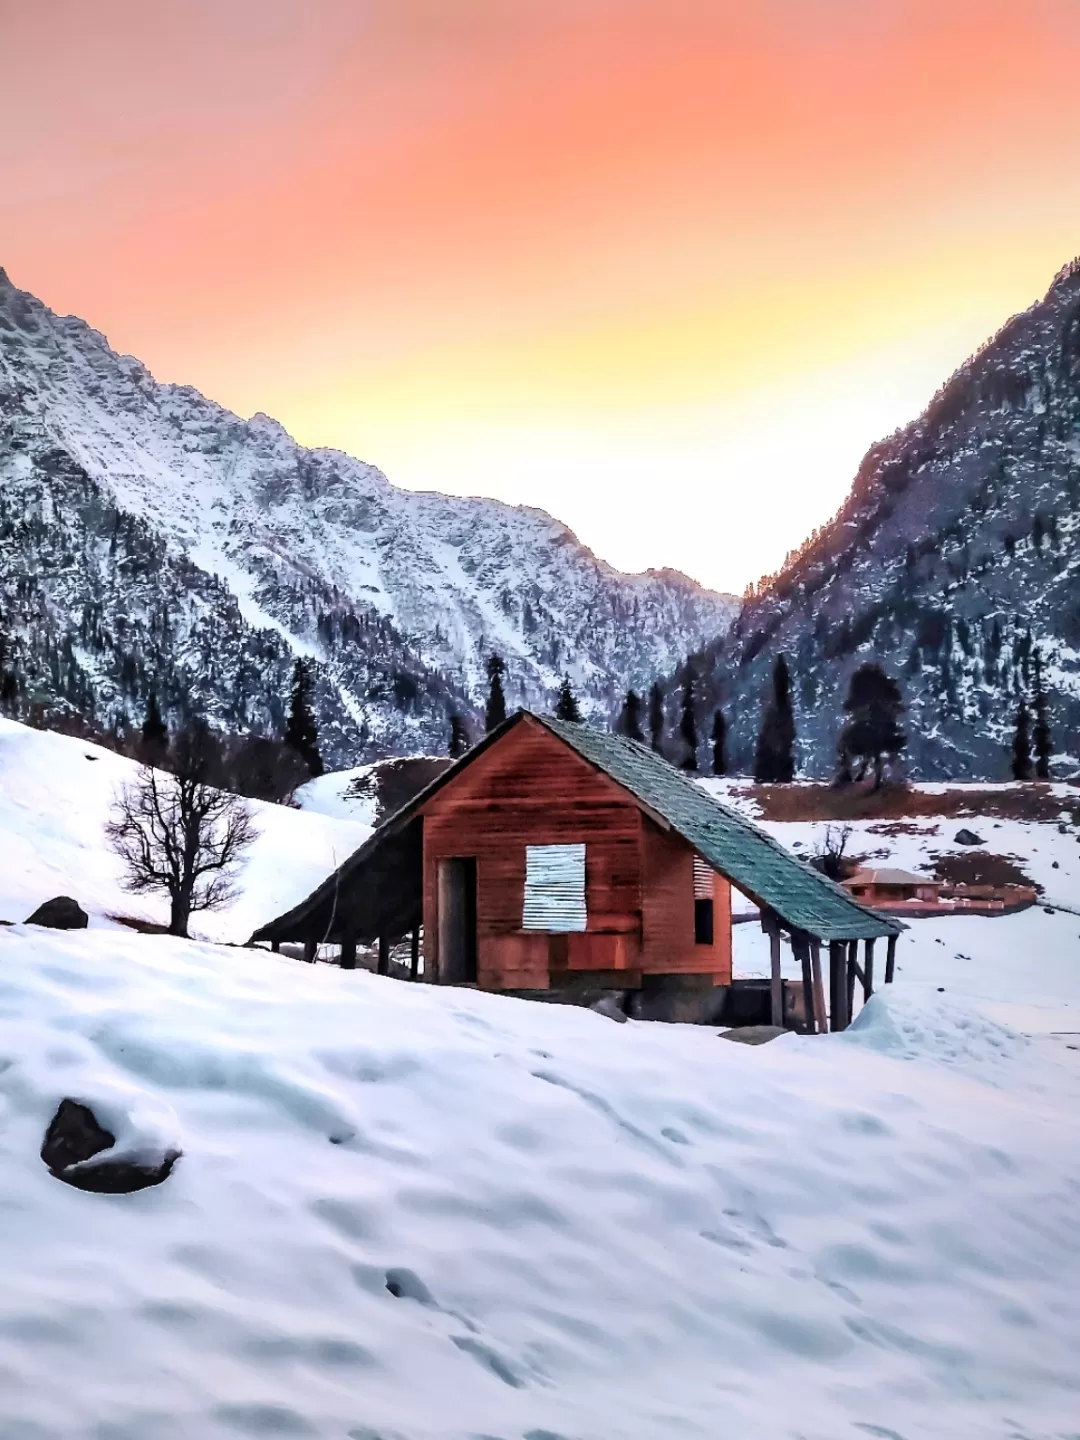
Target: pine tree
[
  {"x": 656, "y": 717},
  {"x": 566, "y": 707},
  {"x": 629, "y": 722},
  {"x": 301, "y": 730},
  {"x": 1021, "y": 748},
  {"x": 774, "y": 758},
  {"x": 1041, "y": 733},
  {"x": 459, "y": 736},
  {"x": 872, "y": 731},
  {"x": 155, "y": 733},
  {"x": 495, "y": 710},
  {"x": 687, "y": 723},
  {"x": 719, "y": 744}
]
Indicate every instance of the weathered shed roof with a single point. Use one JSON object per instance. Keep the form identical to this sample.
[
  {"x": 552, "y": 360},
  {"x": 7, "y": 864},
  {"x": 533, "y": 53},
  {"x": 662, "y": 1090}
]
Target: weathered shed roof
[
  {"x": 801, "y": 896},
  {"x": 759, "y": 865}
]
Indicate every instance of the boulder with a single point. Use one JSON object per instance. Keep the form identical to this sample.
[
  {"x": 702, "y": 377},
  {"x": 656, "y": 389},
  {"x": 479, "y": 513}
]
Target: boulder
[
  {"x": 75, "y": 1136},
  {"x": 60, "y": 913},
  {"x": 753, "y": 1034},
  {"x": 610, "y": 1007},
  {"x": 968, "y": 837}
]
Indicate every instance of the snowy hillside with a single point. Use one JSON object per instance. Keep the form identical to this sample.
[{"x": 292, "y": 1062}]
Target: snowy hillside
[
  {"x": 412, "y": 1213},
  {"x": 415, "y": 1214},
  {"x": 956, "y": 553},
  {"x": 55, "y": 796},
  {"x": 149, "y": 536}
]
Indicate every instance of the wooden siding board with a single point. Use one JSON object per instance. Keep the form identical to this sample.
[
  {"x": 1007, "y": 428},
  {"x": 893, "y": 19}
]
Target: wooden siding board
[{"x": 532, "y": 790}]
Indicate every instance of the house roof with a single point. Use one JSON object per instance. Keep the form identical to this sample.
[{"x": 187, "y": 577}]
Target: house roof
[
  {"x": 801, "y": 896},
  {"x": 759, "y": 865},
  {"x": 889, "y": 877}
]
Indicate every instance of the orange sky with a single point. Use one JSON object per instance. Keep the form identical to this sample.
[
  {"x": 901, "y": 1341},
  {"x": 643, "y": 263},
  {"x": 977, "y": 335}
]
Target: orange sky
[{"x": 663, "y": 268}]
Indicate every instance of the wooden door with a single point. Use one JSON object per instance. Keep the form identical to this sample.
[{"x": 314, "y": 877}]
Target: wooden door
[{"x": 457, "y": 921}]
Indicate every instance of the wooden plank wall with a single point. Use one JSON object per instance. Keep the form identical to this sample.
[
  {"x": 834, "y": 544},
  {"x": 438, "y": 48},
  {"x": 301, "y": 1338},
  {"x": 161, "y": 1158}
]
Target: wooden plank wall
[
  {"x": 530, "y": 789},
  {"x": 668, "y": 911}
]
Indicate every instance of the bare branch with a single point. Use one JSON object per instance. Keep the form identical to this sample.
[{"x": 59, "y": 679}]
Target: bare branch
[{"x": 175, "y": 833}]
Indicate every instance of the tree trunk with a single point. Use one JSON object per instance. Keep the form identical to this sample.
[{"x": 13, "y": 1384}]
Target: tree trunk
[{"x": 179, "y": 915}]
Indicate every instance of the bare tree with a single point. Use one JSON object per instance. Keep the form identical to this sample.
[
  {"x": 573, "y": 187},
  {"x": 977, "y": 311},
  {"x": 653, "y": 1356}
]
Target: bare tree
[
  {"x": 178, "y": 834},
  {"x": 829, "y": 856}
]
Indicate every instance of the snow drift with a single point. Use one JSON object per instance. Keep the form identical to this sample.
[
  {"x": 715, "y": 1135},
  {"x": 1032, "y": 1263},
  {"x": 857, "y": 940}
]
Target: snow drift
[{"x": 406, "y": 1212}]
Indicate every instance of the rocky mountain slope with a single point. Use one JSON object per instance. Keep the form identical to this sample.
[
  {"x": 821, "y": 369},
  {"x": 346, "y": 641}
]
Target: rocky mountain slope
[
  {"x": 148, "y": 536},
  {"x": 953, "y": 559}
]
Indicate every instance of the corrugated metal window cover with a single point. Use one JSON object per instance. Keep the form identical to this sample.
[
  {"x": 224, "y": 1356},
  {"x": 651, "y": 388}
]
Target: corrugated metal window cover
[{"x": 554, "y": 888}]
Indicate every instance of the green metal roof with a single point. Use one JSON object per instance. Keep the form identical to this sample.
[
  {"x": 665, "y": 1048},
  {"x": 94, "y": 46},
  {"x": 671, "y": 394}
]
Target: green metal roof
[{"x": 759, "y": 865}]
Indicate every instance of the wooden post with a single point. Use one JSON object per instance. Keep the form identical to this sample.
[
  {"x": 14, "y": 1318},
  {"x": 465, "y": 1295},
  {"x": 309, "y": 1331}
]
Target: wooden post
[
  {"x": 890, "y": 959},
  {"x": 384, "y": 955},
  {"x": 802, "y": 952},
  {"x": 414, "y": 954},
  {"x": 776, "y": 987},
  {"x": 819, "y": 988},
  {"x": 311, "y": 950},
  {"x": 868, "y": 970},
  {"x": 852, "y": 971},
  {"x": 275, "y": 946},
  {"x": 837, "y": 984},
  {"x": 348, "y": 952}
]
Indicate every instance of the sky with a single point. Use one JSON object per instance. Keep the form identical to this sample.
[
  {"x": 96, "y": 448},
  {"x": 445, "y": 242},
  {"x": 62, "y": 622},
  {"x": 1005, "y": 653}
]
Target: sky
[{"x": 665, "y": 268}]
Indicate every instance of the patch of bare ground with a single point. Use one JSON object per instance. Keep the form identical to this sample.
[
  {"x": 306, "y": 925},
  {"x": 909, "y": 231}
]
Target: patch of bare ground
[
  {"x": 143, "y": 927},
  {"x": 977, "y": 867},
  {"x": 899, "y": 802}
]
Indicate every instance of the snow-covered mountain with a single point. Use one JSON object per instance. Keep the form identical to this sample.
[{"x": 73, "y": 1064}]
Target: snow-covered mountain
[
  {"x": 148, "y": 536},
  {"x": 955, "y": 557}
]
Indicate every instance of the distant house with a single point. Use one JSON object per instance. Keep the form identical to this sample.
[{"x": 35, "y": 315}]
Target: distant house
[
  {"x": 901, "y": 893},
  {"x": 892, "y": 887},
  {"x": 552, "y": 853}
]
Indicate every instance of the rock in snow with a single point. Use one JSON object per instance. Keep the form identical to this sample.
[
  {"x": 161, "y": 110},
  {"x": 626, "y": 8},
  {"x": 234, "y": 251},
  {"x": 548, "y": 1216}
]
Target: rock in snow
[
  {"x": 60, "y": 913},
  {"x": 968, "y": 837},
  {"x": 73, "y": 1151}
]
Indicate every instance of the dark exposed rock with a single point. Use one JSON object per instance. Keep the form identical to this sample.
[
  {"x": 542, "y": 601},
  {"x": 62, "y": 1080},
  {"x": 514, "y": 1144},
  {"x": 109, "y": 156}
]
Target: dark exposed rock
[
  {"x": 968, "y": 837},
  {"x": 75, "y": 1136},
  {"x": 60, "y": 913},
  {"x": 610, "y": 1007},
  {"x": 753, "y": 1034}
]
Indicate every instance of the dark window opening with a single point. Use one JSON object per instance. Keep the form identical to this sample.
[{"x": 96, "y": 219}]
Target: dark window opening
[{"x": 703, "y": 922}]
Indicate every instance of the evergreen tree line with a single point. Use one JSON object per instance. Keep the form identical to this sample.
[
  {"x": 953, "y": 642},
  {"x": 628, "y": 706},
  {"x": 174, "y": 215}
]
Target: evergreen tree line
[{"x": 872, "y": 735}]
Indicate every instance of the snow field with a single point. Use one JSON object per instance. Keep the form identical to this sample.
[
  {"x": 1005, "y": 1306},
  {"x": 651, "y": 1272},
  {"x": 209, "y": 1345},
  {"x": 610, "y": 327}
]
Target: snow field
[
  {"x": 404, "y": 1212},
  {"x": 55, "y": 796}
]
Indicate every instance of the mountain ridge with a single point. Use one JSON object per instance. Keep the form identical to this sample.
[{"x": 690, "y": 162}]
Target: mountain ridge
[
  {"x": 954, "y": 557},
  {"x": 398, "y": 595}
]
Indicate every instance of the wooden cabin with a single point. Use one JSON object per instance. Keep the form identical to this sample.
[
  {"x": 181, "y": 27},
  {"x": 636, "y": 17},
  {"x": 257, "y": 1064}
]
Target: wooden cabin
[
  {"x": 552, "y": 853},
  {"x": 892, "y": 887}
]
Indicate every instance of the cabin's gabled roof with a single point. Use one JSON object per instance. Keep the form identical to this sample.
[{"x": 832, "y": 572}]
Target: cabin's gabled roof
[
  {"x": 759, "y": 865},
  {"x": 801, "y": 896}
]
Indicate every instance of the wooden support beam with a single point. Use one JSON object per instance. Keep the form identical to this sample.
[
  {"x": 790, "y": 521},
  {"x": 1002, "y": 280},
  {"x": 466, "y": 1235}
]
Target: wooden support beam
[
  {"x": 868, "y": 970},
  {"x": 311, "y": 951},
  {"x": 275, "y": 946},
  {"x": 414, "y": 954},
  {"x": 852, "y": 969},
  {"x": 348, "y": 952},
  {"x": 890, "y": 959},
  {"x": 776, "y": 985},
  {"x": 384, "y": 954},
  {"x": 801, "y": 950},
  {"x": 837, "y": 984},
  {"x": 819, "y": 988}
]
